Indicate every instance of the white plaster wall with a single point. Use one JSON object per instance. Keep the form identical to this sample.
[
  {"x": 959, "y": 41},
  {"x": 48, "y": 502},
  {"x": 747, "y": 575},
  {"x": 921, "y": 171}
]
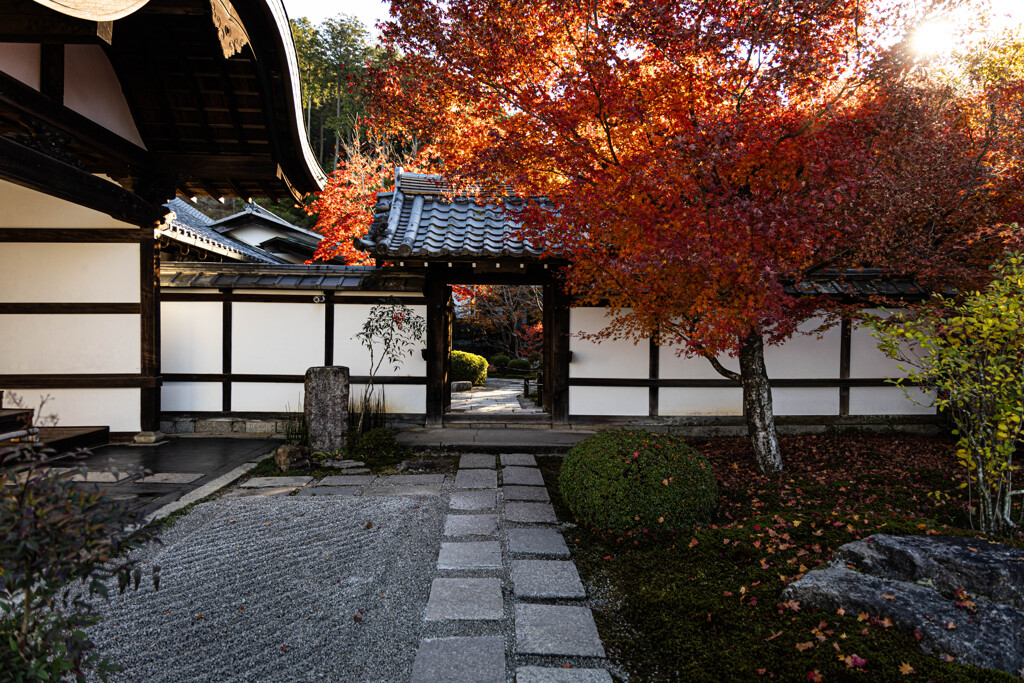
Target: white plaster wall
[
  {"x": 865, "y": 358},
  {"x": 671, "y": 366},
  {"x": 190, "y": 337},
  {"x": 22, "y": 61},
  {"x": 608, "y": 401},
  {"x": 118, "y": 409},
  {"x": 59, "y": 344},
  {"x": 91, "y": 88},
  {"x": 888, "y": 401},
  {"x": 253, "y": 234},
  {"x": 191, "y": 396},
  {"x": 805, "y": 355},
  {"x": 34, "y": 272},
  {"x": 348, "y": 321},
  {"x": 621, "y": 359},
  {"x": 805, "y": 401},
  {"x": 276, "y": 339},
  {"x": 398, "y": 398},
  {"x": 266, "y": 397},
  {"x": 713, "y": 401},
  {"x": 21, "y": 207}
]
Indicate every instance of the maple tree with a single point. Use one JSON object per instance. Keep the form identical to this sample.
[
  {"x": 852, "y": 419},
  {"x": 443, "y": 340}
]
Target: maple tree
[
  {"x": 510, "y": 313},
  {"x": 705, "y": 156}
]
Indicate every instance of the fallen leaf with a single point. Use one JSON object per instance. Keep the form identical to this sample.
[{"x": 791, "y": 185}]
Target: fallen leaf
[
  {"x": 773, "y": 636},
  {"x": 804, "y": 646},
  {"x": 369, "y": 525},
  {"x": 906, "y": 669},
  {"x": 841, "y": 612},
  {"x": 357, "y": 617},
  {"x": 567, "y": 666},
  {"x": 814, "y": 676},
  {"x": 853, "y": 661},
  {"x": 693, "y": 542},
  {"x": 284, "y": 648},
  {"x": 950, "y": 625},
  {"x": 948, "y": 659},
  {"x": 888, "y": 596}
]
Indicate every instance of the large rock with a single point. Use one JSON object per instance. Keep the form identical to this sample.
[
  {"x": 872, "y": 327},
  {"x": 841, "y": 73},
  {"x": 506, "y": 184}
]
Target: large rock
[
  {"x": 326, "y": 407},
  {"x": 290, "y": 457},
  {"x": 907, "y": 580}
]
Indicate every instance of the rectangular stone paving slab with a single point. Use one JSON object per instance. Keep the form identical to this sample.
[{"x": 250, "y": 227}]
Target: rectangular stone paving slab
[
  {"x": 464, "y": 599},
  {"x": 412, "y": 479},
  {"x": 537, "y": 494},
  {"x": 470, "y": 555},
  {"x": 259, "y": 492},
  {"x": 476, "y": 461},
  {"x": 521, "y": 476},
  {"x": 426, "y": 490},
  {"x": 101, "y": 477},
  {"x": 473, "y": 500},
  {"x": 171, "y": 478},
  {"x": 347, "y": 480},
  {"x": 476, "y": 479},
  {"x": 530, "y": 513},
  {"x": 471, "y": 525},
  {"x": 329, "y": 491},
  {"x": 546, "y": 579},
  {"x": 556, "y": 630},
  {"x": 518, "y": 460},
  {"x": 275, "y": 482},
  {"x": 537, "y": 542},
  {"x": 460, "y": 660},
  {"x": 539, "y": 674}
]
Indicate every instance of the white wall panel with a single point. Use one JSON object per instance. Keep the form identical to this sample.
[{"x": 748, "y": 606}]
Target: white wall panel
[
  {"x": 191, "y": 336},
  {"x": 266, "y": 397},
  {"x": 888, "y": 401},
  {"x": 622, "y": 359},
  {"x": 608, "y": 401},
  {"x": 34, "y": 272},
  {"x": 865, "y": 358},
  {"x": 348, "y": 321},
  {"x": 805, "y": 401},
  {"x": 398, "y": 398},
  {"x": 671, "y": 366},
  {"x": 21, "y": 207},
  {"x": 191, "y": 396},
  {"x": 714, "y": 401},
  {"x": 805, "y": 355},
  {"x": 276, "y": 339},
  {"x": 91, "y": 88},
  {"x": 69, "y": 344},
  {"x": 118, "y": 409},
  {"x": 22, "y": 61}
]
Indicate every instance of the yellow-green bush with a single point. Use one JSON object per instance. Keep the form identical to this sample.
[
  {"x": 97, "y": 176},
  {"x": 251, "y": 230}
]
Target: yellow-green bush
[{"x": 468, "y": 367}]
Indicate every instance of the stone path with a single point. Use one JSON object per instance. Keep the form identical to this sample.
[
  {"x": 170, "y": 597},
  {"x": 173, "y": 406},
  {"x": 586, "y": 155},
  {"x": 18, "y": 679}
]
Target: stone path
[
  {"x": 498, "y": 396},
  {"x": 507, "y": 598}
]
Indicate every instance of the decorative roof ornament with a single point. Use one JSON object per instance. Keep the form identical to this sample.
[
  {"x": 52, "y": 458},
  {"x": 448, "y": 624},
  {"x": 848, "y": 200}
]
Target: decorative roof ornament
[
  {"x": 232, "y": 34},
  {"x": 94, "y": 10}
]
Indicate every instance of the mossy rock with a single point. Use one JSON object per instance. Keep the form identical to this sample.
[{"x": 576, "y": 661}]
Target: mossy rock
[{"x": 629, "y": 481}]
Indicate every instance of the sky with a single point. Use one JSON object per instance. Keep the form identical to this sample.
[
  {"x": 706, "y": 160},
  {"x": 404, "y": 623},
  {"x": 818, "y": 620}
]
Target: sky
[{"x": 367, "y": 11}]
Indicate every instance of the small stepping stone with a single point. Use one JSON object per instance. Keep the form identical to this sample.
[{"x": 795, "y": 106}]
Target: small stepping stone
[
  {"x": 275, "y": 482},
  {"x": 347, "y": 480},
  {"x": 521, "y": 476},
  {"x": 344, "y": 464},
  {"x": 546, "y": 579},
  {"x": 473, "y": 500},
  {"x": 518, "y": 460},
  {"x": 101, "y": 477},
  {"x": 471, "y": 525},
  {"x": 537, "y": 542},
  {"x": 476, "y": 479},
  {"x": 460, "y": 660},
  {"x": 539, "y": 674},
  {"x": 464, "y": 599},
  {"x": 259, "y": 492},
  {"x": 533, "y": 493},
  {"x": 476, "y": 461},
  {"x": 171, "y": 478},
  {"x": 413, "y": 479},
  {"x": 556, "y": 630},
  {"x": 329, "y": 491},
  {"x": 426, "y": 490},
  {"x": 530, "y": 513},
  {"x": 470, "y": 555},
  {"x": 356, "y": 470}
]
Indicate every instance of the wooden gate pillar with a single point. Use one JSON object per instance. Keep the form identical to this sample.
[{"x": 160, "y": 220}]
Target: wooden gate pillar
[
  {"x": 558, "y": 385},
  {"x": 439, "y": 297}
]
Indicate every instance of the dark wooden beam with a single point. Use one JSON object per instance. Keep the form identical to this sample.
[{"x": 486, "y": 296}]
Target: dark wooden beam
[
  {"x": 329, "y": 328},
  {"x": 217, "y": 377},
  {"x": 653, "y": 372},
  {"x": 74, "y": 234},
  {"x": 83, "y": 308},
  {"x": 149, "y": 286},
  {"x": 845, "y": 338},
  {"x": 26, "y": 22},
  {"x": 35, "y": 170},
  {"x": 51, "y": 71},
  {"x": 804, "y": 383},
  {"x": 438, "y": 295},
  {"x": 560, "y": 355},
  {"x": 78, "y": 381},
  {"x": 226, "y": 354}
]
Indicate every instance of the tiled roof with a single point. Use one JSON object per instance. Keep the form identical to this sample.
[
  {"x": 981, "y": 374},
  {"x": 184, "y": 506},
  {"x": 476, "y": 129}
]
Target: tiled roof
[
  {"x": 255, "y": 210},
  {"x": 191, "y": 226},
  {"x": 276, "y": 276},
  {"x": 862, "y": 284},
  {"x": 418, "y": 219}
]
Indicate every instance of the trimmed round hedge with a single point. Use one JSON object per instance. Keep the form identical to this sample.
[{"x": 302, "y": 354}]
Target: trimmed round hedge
[
  {"x": 468, "y": 367},
  {"x": 628, "y": 481}
]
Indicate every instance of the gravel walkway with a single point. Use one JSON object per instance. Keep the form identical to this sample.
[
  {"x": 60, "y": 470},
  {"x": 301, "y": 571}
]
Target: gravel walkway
[{"x": 281, "y": 589}]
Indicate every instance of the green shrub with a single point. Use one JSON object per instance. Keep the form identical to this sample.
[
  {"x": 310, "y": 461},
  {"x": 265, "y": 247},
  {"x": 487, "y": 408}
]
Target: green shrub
[
  {"x": 468, "y": 367},
  {"x": 378, "y": 447},
  {"x": 627, "y": 481},
  {"x": 500, "y": 362}
]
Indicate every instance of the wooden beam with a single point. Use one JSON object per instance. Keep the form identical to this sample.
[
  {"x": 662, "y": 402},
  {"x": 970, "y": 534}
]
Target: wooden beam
[
  {"x": 149, "y": 286},
  {"x": 74, "y": 234},
  {"x": 560, "y": 355},
  {"x": 82, "y": 308},
  {"x": 653, "y": 372},
  {"x": 25, "y": 22},
  {"x": 845, "y": 338},
  {"x": 36, "y": 171},
  {"x": 78, "y": 381},
  {"x": 438, "y": 294},
  {"x": 51, "y": 71},
  {"x": 225, "y": 362}
]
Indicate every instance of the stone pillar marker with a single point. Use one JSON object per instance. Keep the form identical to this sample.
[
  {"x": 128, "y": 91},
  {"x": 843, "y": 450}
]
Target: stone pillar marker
[{"x": 326, "y": 407}]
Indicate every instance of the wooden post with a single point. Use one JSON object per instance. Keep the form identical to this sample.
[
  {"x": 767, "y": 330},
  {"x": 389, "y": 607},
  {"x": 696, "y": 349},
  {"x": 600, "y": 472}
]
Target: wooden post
[
  {"x": 559, "y": 381},
  {"x": 439, "y": 297},
  {"x": 549, "y": 347},
  {"x": 845, "y": 338}
]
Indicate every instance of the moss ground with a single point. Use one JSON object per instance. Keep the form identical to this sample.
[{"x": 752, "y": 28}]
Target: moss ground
[{"x": 705, "y": 605}]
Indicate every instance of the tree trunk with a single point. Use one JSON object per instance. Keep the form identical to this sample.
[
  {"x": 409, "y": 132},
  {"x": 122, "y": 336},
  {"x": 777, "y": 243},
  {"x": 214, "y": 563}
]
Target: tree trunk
[
  {"x": 757, "y": 405},
  {"x": 757, "y": 402}
]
